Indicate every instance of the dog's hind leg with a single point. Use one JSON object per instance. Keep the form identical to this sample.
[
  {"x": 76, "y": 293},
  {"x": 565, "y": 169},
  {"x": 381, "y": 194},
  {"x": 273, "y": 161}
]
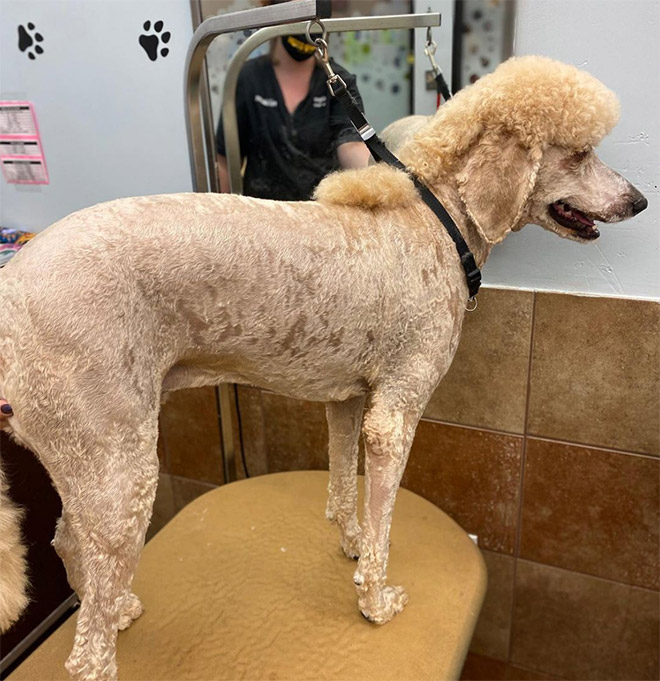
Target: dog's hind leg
[
  {"x": 68, "y": 550},
  {"x": 106, "y": 471},
  {"x": 344, "y": 424},
  {"x": 107, "y": 518}
]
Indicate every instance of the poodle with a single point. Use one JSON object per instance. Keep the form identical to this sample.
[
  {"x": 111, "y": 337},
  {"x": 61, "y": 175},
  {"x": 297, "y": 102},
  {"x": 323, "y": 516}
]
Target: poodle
[{"x": 355, "y": 299}]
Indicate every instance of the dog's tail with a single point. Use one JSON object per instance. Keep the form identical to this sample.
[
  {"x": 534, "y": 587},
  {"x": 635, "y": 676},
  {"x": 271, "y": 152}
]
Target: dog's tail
[{"x": 13, "y": 567}]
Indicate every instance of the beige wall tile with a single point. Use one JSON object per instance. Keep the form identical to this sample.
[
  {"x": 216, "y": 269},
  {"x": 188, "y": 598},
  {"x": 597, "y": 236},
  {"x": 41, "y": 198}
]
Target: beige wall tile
[
  {"x": 171, "y": 496},
  {"x": 592, "y": 511},
  {"x": 164, "y": 509},
  {"x": 596, "y": 372},
  {"x": 184, "y": 491},
  {"x": 581, "y": 627},
  {"x": 296, "y": 434},
  {"x": 253, "y": 430},
  {"x": 486, "y": 385},
  {"x": 493, "y": 630},
  {"x": 189, "y": 425},
  {"x": 472, "y": 475},
  {"x": 482, "y": 668}
]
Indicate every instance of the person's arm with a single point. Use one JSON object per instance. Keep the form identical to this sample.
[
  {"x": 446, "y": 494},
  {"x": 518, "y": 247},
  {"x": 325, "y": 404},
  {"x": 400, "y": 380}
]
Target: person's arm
[
  {"x": 353, "y": 155},
  {"x": 352, "y": 152},
  {"x": 223, "y": 173}
]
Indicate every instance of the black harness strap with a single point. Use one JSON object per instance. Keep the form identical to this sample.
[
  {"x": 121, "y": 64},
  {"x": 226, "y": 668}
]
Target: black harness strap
[
  {"x": 442, "y": 87},
  {"x": 381, "y": 153}
]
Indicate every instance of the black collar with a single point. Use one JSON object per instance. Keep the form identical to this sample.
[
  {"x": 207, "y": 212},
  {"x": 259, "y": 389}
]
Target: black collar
[{"x": 381, "y": 153}]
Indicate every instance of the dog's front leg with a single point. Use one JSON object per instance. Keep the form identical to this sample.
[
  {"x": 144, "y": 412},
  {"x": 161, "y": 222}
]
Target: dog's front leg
[
  {"x": 389, "y": 428},
  {"x": 344, "y": 423}
]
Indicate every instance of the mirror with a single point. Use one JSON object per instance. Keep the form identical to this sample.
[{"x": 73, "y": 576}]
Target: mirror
[{"x": 390, "y": 67}]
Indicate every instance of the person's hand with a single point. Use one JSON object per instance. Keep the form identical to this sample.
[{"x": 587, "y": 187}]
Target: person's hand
[{"x": 223, "y": 173}]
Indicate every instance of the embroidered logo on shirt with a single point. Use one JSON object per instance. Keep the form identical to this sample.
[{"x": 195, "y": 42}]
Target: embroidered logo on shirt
[
  {"x": 265, "y": 102},
  {"x": 320, "y": 102}
]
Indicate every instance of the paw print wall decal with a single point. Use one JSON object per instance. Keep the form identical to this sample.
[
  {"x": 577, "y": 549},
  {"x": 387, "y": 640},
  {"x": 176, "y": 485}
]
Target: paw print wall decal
[
  {"x": 29, "y": 39},
  {"x": 150, "y": 40}
]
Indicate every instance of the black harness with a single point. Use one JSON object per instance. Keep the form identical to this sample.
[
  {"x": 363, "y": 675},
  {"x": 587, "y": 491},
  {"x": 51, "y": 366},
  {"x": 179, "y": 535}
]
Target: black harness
[{"x": 381, "y": 153}]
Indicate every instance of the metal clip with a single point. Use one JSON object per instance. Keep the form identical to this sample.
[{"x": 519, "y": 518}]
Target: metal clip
[
  {"x": 473, "y": 307},
  {"x": 429, "y": 51},
  {"x": 322, "y": 55}
]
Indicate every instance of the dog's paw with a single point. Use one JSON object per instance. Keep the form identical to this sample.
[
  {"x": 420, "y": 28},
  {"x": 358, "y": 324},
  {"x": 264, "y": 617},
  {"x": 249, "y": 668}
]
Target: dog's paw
[
  {"x": 131, "y": 609},
  {"x": 351, "y": 546},
  {"x": 380, "y": 606}
]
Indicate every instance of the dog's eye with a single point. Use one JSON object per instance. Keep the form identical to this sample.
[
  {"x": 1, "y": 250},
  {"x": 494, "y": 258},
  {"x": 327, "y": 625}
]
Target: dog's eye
[{"x": 579, "y": 156}]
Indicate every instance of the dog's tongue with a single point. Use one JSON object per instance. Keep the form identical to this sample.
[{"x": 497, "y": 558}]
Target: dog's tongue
[
  {"x": 583, "y": 218},
  {"x": 570, "y": 212}
]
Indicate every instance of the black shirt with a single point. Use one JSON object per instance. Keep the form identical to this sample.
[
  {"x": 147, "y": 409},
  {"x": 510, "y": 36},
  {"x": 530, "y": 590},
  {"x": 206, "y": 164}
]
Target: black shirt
[{"x": 288, "y": 154}]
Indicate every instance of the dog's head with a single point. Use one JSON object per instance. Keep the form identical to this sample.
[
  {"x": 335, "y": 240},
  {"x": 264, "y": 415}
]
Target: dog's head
[{"x": 520, "y": 143}]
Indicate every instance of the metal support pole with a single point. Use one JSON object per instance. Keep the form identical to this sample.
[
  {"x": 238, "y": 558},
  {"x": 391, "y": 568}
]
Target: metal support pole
[{"x": 286, "y": 13}]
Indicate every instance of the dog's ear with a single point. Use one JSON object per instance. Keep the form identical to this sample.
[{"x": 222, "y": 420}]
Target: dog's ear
[{"x": 495, "y": 183}]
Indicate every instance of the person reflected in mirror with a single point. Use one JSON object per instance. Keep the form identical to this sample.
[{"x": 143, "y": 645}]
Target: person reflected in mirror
[{"x": 292, "y": 132}]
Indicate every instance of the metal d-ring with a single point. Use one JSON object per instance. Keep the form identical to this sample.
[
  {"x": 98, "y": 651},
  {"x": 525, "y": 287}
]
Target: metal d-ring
[
  {"x": 473, "y": 307},
  {"x": 308, "y": 32}
]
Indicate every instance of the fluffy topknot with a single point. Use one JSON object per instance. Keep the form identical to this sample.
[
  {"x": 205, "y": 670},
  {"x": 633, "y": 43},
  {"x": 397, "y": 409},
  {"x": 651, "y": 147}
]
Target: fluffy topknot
[{"x": 538, "y": 100}]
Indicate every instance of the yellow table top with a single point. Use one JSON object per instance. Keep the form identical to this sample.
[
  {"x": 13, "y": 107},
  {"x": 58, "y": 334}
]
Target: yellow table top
[{"x": 249, "y": 582}]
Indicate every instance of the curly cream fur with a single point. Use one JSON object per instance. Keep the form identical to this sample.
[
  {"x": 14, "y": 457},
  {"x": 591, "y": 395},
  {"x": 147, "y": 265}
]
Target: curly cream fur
[
  {"x": 570, "y": 108},
  {"x": 355, "y": 299}
]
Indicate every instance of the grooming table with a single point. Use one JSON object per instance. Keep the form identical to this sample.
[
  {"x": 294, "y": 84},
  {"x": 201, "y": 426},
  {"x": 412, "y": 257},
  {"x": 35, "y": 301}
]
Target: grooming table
[{"x": 249, "y": 582}]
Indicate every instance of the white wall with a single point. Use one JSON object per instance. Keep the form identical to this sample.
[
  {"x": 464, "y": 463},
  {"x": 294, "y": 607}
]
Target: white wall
[
  {"x": 425, "y": 100},
  {"x": 618, "y": 41},
  {"x": 111, "y": 120}
]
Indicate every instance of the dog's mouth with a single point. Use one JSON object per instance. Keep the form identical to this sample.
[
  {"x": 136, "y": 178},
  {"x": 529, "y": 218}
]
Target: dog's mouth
[{"x": 578, "y": 222}]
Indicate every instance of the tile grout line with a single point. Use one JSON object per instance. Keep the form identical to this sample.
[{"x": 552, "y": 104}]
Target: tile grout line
[
  {"x": 580, "y": 573},
  {"x": 211, "y": 485},
  {"x": 609, "y": 450},
  {"x": 523, "y": 462},
  {"x": 543, "y": 438}
]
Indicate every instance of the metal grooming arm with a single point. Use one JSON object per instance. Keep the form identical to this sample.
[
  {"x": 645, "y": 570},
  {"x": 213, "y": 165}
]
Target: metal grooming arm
[
  {"x": 230, "y": 124},
  {"x": 274, "y": 21}
]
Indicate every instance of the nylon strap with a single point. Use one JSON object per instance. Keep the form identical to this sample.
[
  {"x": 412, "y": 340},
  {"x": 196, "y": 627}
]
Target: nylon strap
[
  {"x": 441, "y": 86},
  {"x": 381, "y": 153}
]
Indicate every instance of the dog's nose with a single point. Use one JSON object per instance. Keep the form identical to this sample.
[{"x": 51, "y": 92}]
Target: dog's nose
[{"x": 639, "y": 205}]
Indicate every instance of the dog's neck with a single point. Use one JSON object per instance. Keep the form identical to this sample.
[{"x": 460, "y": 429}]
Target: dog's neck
[{"x": 446, "y": 190}]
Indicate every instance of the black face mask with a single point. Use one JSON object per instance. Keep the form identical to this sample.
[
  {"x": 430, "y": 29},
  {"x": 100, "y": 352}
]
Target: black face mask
[{"x": 298, "y": 47}]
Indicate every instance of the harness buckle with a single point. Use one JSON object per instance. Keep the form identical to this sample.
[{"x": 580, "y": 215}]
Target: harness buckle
[{"x": 472, "y": 273}]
